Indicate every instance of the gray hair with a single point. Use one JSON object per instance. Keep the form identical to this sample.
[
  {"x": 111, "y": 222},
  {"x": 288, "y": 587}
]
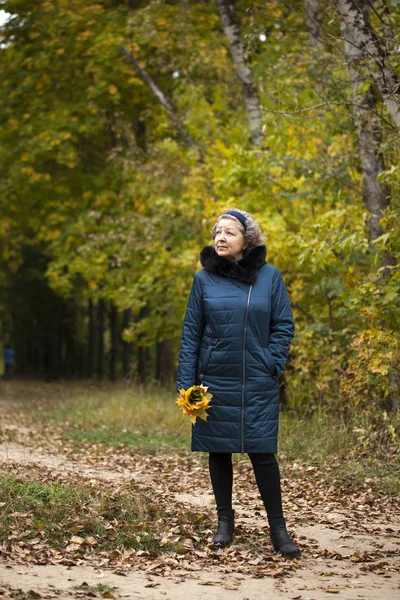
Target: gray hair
[{"x": 252, "y": 233}]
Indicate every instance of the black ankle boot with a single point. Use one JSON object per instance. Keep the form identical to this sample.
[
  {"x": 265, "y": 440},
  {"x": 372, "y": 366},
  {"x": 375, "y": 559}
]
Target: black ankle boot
[
  {"x": 226, "y": 525},
  {"x": 281, "y": 540}
]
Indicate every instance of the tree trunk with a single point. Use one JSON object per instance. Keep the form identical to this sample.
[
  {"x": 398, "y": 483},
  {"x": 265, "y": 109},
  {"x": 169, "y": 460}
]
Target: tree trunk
[
  {"x": 231, "y": 28},
  {"x": 126, "y": 346},
  {"x": 70, "y": 321},
  {"x": 91, "y": 341},
  {"x": 164, "y": 362},
  {"x": 376, "y": 197},
  {"x": 58, "y": 343},
  {"x": 47, "y": 357},
  {"x": 162, "y": 98},
  {"x": 143, "y": 352},
  {"x": 312, "y": 19},
  {"x": 114, "y": 342},
  {"x": 143, "y": 362},
  {"x": 362, "y": 40},
  {"x": 100, "y": 339}
]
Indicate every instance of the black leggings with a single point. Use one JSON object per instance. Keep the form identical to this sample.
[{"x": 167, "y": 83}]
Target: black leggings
[{"x": 266, "y": 471}]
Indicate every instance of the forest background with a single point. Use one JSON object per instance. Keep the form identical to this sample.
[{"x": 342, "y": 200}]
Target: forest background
[{"x": 127, "y": 126}]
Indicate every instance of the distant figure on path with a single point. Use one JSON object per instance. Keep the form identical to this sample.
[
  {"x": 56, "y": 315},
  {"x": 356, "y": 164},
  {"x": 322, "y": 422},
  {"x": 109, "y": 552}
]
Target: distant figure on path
[
  {"x": 9, "y": 357},
  {"x": 236, "y": 337}
]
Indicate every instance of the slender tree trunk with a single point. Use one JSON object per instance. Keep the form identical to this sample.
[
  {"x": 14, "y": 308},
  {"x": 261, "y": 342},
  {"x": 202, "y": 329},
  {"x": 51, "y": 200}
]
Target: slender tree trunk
[
  {"x": 70, "y": 341},
  {"x": 91, "y": 341},
  {"x": 126, "y": 346},
  {"x": 162, "y": 98},
  {"x": 143, "y": 363},
  {"x": 47, "y": 357},
  {"x": 232, "y": 31},
  {"x": 100, "y": 338},
  {"x": 312, "y": 19},
  {"x": 362, "y": 40},
  {"x": 357, "y": 45},
  {"x": 391, "y": 404},
  {"x": 376, "y": 196},
  {"x": 114, "y": 342},
  {"x": 58, "y": 343},
  {"x": 164, "y": 362},
  {"x": 143, "y": 352}
]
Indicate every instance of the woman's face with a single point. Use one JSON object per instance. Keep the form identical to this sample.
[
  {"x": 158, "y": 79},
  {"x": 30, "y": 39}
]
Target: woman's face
[{"x": 229, "y": 241}]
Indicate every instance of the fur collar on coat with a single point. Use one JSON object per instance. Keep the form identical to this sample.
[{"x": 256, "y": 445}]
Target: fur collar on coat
[{"x": 244, "y": 270}]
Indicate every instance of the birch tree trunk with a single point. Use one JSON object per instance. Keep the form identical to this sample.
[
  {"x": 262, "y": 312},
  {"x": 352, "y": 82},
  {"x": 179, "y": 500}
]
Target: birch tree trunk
[
  {"x": 376, "y": 197},
  {"x": 362, "y": 39},
  {"x": 231, "y": 28},
  {"x": 368, "y": 123},
  {"x": 312, "y": 19},
  {"x": 162, "y": 98}
]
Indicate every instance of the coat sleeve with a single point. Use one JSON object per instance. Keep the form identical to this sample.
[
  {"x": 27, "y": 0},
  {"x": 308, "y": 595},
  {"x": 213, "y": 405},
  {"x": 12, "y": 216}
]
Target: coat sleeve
[
  {"x": 281, "y": 324},
  {"x": 192, "y": 332}
]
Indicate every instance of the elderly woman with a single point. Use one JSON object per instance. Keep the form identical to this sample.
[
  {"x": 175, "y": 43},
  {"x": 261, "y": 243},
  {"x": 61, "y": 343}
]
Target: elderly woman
[{"x": 236, "y": 336}]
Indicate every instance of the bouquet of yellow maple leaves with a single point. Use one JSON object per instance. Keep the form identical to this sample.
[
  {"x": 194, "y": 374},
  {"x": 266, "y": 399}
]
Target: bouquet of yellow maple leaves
[{"x": 194, "y": 402}]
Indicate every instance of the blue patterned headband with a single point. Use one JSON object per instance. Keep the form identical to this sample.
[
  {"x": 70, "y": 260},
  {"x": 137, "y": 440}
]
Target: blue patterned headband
[{"x": 238, "y": 216}]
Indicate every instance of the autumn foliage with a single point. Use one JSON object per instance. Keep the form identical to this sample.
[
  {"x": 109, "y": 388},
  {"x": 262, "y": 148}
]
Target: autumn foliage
[{"x": 109, "y": 192}]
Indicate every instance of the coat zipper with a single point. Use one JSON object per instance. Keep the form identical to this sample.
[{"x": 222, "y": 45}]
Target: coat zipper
[{"x": 244, "y": 362}]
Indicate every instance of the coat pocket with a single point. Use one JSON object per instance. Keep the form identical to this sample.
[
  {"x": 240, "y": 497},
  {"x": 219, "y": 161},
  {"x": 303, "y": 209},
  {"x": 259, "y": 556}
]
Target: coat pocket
[
  {"x": 207, "y": 356},
  {"x": 270, "y": 363}
]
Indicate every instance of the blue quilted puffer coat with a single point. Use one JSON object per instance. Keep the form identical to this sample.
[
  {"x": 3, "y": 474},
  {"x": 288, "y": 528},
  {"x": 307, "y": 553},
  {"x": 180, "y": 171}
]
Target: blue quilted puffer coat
[{"x": 236, "y": 336}]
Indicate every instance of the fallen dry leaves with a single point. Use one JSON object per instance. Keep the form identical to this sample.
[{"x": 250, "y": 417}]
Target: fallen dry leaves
[{"x": 179, "y": 487}]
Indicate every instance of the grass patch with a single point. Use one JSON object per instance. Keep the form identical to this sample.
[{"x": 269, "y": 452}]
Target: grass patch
[
  {"x": 145, "y": 418},
  {"x": 339, "y": 449},
  {"x": 150, "y": 443},
  {"x": 58, "y": 514},
  {"x": 138, "y": 409},
  {"x": 142, "y": 418}
]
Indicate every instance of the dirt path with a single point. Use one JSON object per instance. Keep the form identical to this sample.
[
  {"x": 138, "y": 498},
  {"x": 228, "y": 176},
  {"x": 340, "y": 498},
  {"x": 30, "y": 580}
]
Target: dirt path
[
  {"x": 350, "y": 541},
  {"x": 66, "y": 583}
]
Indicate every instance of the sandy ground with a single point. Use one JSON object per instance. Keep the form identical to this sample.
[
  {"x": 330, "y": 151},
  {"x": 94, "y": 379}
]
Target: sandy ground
[
  {"x": 334, "y": 566},
  {"x": 62, "y": 582},
  {"x": 315, "y": 578}
]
